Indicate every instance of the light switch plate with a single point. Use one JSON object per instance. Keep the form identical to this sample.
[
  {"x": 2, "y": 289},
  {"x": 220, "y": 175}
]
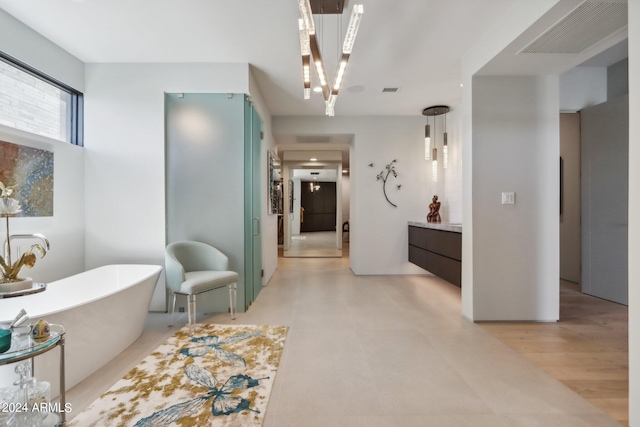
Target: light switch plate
[{"x": 508, "y": 198}]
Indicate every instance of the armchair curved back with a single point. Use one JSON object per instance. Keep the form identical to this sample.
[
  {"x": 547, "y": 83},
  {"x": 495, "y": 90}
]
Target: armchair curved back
[{"x": 185, "y": 256}]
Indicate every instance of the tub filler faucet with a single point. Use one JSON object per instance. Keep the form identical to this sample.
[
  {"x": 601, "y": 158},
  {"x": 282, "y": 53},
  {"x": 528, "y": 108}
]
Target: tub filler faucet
[{"x": 25, "y": 236}]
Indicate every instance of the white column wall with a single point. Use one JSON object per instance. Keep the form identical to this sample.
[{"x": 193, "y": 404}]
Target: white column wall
[
  {"x": 634, "y": 213},
  {"x": 516, "y": 149},
  {"x": 514, "y": 20}
]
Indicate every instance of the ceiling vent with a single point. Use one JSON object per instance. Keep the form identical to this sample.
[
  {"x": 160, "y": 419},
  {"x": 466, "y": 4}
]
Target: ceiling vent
[
  {"x": 389, "y": 89},
  {"x": 583, "y": 27},
  {"x": 313, "y": 139}
]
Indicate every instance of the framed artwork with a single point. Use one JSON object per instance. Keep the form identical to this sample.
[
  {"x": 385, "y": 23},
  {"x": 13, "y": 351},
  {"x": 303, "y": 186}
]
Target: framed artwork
[
  {"x": 275, "y": 182},
  {"x": 30, "y": 170},
  {"x": 290, "y": 196}
]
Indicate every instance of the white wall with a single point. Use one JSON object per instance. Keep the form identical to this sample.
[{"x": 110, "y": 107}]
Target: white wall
[
  {"x": 378, "y": 231},
  {"x": 30, "y": 47},
  {"x": 65, "y": 230},
  {"x": 451, "y": 193},
  {"x": 618, "y": 79},
  {"x": 516, "y": 149},
  {"x": 124, "y": 154},
  {"x": 582, "y": 87},
  {"x": 634, "y": 214}
]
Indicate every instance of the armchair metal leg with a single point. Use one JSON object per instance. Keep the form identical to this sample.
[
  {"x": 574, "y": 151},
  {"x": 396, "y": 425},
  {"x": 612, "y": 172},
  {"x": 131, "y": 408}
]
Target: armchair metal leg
[
  {"x": 173, "y": 306},
  {"x": 233, "y": 295},
  {"x": 191, "y": 308}
]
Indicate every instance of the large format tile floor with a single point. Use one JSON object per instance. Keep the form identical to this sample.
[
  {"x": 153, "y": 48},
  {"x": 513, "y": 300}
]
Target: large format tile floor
[{"x": 380, "y": 351}]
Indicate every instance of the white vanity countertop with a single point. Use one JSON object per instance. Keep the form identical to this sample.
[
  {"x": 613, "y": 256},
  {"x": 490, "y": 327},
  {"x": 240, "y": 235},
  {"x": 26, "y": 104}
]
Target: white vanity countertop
[{"x": 444, "y": 226}]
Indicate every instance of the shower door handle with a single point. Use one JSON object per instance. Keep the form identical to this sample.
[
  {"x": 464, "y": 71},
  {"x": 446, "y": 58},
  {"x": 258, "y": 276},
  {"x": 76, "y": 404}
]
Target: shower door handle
[{"x": 257, "y": 222}]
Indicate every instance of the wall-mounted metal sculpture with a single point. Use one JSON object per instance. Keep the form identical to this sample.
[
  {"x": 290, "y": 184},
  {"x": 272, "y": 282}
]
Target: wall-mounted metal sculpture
[{"x": 383, "y": 176}]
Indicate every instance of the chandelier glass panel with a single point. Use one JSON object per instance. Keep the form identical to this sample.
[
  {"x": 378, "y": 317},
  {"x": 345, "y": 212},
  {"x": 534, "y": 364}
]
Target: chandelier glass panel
[
  {"x": 430, "y": 147},
  {"x": 310, "y": 51}
]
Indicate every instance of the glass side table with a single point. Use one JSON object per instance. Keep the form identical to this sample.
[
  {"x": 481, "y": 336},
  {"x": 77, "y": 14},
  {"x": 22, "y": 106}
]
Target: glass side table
[{"x": 23, "y": 347}]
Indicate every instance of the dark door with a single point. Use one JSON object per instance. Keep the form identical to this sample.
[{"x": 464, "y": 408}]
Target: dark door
[{"x": 318, "y": 199}]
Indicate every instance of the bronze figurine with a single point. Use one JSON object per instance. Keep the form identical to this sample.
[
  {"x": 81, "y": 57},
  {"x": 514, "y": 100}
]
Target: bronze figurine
[{"x": 434, "y": 208}]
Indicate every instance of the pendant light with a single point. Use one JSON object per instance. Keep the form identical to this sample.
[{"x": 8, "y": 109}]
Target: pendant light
[
  {"x": 310, "y": 51},
  {"x": 445, "y": 146},
  {"x": 431, "y": 150},
  {"x": 434, "y": 155},
  {"x": 427, "y": 140},
  {"x": 434, "y": 165}
]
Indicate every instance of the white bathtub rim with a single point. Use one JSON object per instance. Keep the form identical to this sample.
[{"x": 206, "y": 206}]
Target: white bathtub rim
[{"x": 33, "y": 300}]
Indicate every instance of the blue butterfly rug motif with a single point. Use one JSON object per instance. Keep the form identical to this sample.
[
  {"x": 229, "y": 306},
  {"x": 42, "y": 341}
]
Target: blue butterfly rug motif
[{"x": 222, "y": 376}]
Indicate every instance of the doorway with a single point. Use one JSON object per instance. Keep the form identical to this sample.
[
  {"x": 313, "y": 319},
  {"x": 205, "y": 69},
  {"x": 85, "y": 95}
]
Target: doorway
[
  {"x": 317, "y": 236},
  {"x": 314, "y": 212},
  {"x": 593, "y": 200},
  {"x": 318, "y": 207}
]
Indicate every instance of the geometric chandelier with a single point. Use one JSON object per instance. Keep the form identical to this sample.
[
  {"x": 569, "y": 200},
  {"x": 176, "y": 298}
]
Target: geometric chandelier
[{"x": 310, "y": 50}]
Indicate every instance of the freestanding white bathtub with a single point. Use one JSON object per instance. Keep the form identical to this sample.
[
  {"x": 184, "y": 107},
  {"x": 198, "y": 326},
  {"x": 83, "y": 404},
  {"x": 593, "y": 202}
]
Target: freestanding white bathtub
[{"x": 103, "y": 311}]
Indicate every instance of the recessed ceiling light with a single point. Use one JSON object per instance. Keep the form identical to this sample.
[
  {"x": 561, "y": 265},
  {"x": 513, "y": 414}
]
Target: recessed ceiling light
[
  {"x": 317, "y": 89},
  {"x": 345, "y": 170},
  {"x": 313, "y": 159},
  {"x": 461, "y": 85}
]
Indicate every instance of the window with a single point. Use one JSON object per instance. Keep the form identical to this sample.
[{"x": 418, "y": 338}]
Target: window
[{"x": 36, "y": 103}]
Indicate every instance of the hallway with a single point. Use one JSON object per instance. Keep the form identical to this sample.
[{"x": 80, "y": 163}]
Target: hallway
[
  {"x": 316, "y": 244},
  {"x": 380, "y": 351}
]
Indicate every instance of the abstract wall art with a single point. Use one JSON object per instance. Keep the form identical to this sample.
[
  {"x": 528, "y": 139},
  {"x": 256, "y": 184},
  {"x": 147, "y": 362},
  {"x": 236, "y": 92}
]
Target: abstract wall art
[{"x": 31, "y": 171}]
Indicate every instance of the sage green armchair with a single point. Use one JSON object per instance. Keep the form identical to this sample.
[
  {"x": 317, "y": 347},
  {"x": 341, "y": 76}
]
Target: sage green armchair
[{"x": 195, "y": 267}]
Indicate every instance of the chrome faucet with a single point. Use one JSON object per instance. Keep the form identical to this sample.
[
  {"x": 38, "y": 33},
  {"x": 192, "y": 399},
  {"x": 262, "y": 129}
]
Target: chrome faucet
[{"x": 24, "y": 236}]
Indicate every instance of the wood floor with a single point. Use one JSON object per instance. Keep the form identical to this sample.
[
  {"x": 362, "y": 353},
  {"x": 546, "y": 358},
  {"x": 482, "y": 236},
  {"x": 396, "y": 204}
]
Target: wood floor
[{"x": 587, "y": 350}]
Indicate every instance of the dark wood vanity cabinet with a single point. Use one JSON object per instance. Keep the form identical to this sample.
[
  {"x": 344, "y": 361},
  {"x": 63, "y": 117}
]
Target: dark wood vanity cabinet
[{"x": 437, "y": 251}]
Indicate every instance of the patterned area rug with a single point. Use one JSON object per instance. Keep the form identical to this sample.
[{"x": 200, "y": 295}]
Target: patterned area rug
[{"x": 221, "y": 376}]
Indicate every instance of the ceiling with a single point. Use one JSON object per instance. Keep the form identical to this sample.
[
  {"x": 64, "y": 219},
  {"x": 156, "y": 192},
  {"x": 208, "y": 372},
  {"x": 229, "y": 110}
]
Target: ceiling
[
  {"x": 320, "y": 175},
  {"x": 415, "y": 46}
]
